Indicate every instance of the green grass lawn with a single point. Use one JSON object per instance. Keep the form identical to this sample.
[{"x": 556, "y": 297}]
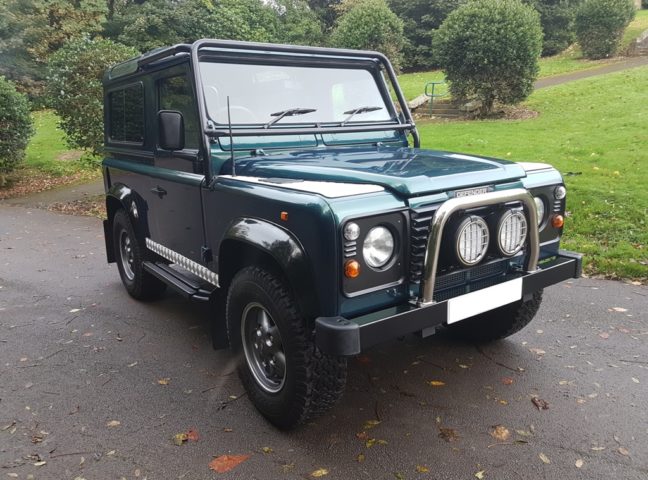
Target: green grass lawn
[
  {"x": 571, "y": 60},
  {"x": 636, "y": 28},
  {"x": 594, "y": 132},
  {"x": 48, "y": 152}
]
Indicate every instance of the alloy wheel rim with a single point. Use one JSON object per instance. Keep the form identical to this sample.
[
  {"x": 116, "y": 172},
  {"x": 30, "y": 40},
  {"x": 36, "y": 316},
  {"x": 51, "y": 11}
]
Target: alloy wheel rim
[
  {"x": 263, "y": 348},
  {"x": 126, "y": 254}
]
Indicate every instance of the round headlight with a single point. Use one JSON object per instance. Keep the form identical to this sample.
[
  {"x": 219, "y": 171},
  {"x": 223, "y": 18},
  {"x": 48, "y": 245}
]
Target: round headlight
[
  {"x": 512, "y": 232},
  {"x": 472, "y": 240},
  {"x": 351, "y": 231},
  {"x": 540, "y": 207},
  {"x": 378, "y": 247},
  {"x": 560, "y": 192}
]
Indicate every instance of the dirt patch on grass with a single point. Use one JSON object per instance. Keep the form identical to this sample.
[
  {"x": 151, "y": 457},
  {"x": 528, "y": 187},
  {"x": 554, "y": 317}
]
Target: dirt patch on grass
[
  {"x": 70, "y": 156},
  {"x": 513, "y": 113},
  {"x": 28, "y": 181},
  {"x": 94, "y": 206}
]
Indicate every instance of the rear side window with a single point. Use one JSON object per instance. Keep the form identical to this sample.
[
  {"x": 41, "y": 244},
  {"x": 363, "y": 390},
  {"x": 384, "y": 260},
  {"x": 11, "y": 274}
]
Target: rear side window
[{"x": 126, "y": 114}]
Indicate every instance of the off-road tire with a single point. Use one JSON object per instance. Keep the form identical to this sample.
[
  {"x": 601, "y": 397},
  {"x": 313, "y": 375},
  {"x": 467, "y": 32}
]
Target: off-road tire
[
  {"x": 499, "y": 323},
  {"x": 314, "y": 382},
  {"x": 142, "y": 285}
]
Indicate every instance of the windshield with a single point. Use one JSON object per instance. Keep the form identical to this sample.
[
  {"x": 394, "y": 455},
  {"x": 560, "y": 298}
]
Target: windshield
[{"x": 258, "y": 91}]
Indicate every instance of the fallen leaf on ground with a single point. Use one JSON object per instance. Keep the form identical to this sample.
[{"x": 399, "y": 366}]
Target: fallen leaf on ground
[
  {"x": 192, "y": 435},
  {"x": 598, "y": 449},
  {"x": 579, "y": 463},
  {"x": 360, "y": 458},
  {"x": 635, "y": 380},
  {"x": 40, "y": 464},
  {"x": 225, "y": 463},
  {"x": 544, "y": 458},
  {"x": 75, "y": 310},
  {"x": 619, "y": 309},
  {"x": 436, "y": 383},
  {"x": 461, "y": 365},
  {"x": 364, "y": 359},
  {"x": 362, "y": 435},
  {"x": 113, "y": 423},
  {"x": 480, "y": 474},
  {"x": 422, "y": 469},
  {"x": 540, "y": 403},
  {"x": 604, "y": 335},
  {"x": 623, "y": 451},
  {"x": 164, "y": 381},
  {"x": 507, "y": 381},
  {"x": 501, "y": 433},
  {"x": 375, "y": 441},
  {"x": 448, "y": 434},
  {"x": 320, "y": 472},
  {"x": 370, "y": 424},
  {"x": 179, "y": 438},
  {"x": 537, "y": 351},
  {"x": 267, "y": 450}
]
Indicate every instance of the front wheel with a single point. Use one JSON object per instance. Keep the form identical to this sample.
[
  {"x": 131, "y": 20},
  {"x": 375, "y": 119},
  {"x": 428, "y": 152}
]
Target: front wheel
[
  {"x": 499, "y": 323},
  {"x": 287, "y": 378},
  {"x": 129, "y": 254}
]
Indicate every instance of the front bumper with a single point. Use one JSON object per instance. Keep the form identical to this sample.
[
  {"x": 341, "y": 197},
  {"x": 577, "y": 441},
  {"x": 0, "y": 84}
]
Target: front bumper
[{"x": 341, "y": 336}]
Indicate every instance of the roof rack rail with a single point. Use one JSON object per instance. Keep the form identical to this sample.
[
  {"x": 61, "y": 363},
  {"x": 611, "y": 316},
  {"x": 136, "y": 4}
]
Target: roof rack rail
[{"x": 132, "y": 65}]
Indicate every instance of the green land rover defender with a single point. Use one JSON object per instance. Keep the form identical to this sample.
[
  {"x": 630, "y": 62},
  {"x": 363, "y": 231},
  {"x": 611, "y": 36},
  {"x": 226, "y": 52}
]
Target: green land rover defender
[{"x": 287, "y": 185}]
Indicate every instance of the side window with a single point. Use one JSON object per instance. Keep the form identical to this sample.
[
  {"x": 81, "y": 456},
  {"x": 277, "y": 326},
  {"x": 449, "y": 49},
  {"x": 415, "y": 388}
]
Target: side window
[
  {"x": 126, "y": 114},
  {"x": 175, "y": 94}
]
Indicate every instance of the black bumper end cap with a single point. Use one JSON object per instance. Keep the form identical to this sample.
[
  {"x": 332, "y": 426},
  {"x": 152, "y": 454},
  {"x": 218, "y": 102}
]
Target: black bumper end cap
[
  {"x": 337, "y": 336},
  {"x": 578, "y": 270}
]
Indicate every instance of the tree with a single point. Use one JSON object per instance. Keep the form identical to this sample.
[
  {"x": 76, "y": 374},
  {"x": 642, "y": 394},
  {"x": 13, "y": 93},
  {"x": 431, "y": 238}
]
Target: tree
[
  {"x": 370, "y": 25},
  {"x": 31, "y": 30},
  {"x": 298, "y": 23},
  {"x": 600, "y": 25},
  {"x": 75, "y": 90},
  {"x": 157, "y": 23},
  {"x": 557, "y": 19},
  {"x": 15, "y": 127},
  {"x": 489, "y": 50},
  {"x": 421, "y": 19}
]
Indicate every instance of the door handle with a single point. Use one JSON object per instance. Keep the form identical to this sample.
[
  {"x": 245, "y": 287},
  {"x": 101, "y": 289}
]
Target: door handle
[{"x": 159, "y": 191}]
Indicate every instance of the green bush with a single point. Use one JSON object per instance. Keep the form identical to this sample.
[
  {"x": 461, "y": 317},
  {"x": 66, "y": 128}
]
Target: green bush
[
  {"x": 15, "y": 127},
  {"x": 600, "y": 25},
  {"x": 421, "y": 18},
  {"x": 370, "y": 25},
  {"x": 489, "y": 50},
  {"x": 75, "y": 90},
  {"x": 557, "y": 19}
]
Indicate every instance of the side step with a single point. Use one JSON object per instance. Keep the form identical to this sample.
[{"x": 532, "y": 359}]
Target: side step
[{"x": 183, "y": 285}]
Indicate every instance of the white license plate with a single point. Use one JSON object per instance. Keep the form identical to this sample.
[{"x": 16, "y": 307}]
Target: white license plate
[{"x": 474, "y": 303}]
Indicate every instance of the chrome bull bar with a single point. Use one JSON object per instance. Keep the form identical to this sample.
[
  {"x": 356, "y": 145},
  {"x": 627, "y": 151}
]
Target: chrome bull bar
[{"x": 445, "y": 211}]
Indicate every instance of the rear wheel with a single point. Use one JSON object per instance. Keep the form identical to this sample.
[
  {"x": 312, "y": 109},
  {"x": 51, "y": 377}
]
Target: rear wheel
[
  {"x": 287, "y": 378},
  {"x": 499, "y": 323},
  {"x": 130, "y": 259}
]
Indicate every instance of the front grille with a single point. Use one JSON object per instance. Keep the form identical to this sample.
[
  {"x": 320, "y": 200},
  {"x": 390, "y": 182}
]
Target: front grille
[
  {"x": 450, "y": 281},
  {"x": 419, "y": 232}
]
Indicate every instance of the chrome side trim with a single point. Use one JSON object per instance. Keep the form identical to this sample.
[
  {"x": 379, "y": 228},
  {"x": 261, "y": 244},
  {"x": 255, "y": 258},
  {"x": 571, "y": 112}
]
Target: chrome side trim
[
  {"x": 445, "y": 211},
  {"x": 186, "y": 263}
]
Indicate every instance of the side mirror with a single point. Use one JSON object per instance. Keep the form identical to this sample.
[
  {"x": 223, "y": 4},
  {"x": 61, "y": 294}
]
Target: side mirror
[{"x": 171, "y": 130}]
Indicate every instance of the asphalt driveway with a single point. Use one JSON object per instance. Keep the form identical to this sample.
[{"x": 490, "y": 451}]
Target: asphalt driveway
[{"x": 94, "y": 385}]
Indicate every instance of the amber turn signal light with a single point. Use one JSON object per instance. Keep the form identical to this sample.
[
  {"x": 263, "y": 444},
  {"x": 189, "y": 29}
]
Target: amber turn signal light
[
  {"x": 557, "y": 221},
  {"x": 351, "y": 269}
]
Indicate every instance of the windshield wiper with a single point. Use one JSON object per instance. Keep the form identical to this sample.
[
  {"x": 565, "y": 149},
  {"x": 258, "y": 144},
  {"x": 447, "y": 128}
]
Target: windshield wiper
[
  {"x": 288, "y": 113},
  {"x": 352, "y": 113}
]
